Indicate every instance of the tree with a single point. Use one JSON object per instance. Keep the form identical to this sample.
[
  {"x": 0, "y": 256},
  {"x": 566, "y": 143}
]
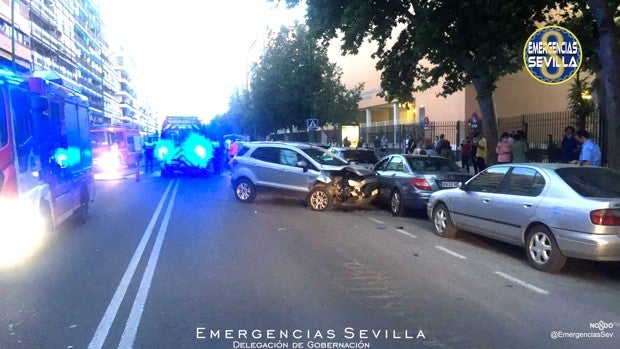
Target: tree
[
  {"x": 295, "y": 81},
  {"x": 451, "y": 43},
  {"x": 598, "y": 20},
  {"x": 604, "y": 12}
]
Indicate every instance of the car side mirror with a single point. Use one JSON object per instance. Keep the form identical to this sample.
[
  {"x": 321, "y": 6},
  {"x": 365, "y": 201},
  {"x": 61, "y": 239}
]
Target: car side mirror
[{"x": 302, "y": 164}]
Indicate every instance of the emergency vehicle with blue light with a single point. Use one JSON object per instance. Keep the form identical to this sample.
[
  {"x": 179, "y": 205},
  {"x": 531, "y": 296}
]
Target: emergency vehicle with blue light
[
  {"x": 183, "y": 147},
  {"x": 116, "y": 148},
  {"x": 45, "y": 155}
]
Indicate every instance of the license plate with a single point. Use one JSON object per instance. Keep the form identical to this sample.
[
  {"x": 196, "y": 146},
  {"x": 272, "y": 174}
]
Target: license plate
[{"x": 450, "y": 184}]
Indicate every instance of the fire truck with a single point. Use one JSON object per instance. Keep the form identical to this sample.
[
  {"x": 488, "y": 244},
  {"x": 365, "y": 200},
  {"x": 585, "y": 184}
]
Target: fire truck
[
  {"x": 183, "y": 147},
  {"x": 45, "y": 153},
  {"x": 116, "y": 148}
]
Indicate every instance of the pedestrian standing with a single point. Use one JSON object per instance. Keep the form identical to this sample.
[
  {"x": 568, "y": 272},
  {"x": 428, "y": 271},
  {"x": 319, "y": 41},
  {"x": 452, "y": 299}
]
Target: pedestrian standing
[
  {"x": 465, "y": 152},
  {"x": 570, "y": 146},
  {"x": 481, "y": 152},
  {"x": 149, "y": 154},
  {"x": 502, "y": 149},
  {"x": 519, "y": 148},
  {"x": 590, "y": 152}
]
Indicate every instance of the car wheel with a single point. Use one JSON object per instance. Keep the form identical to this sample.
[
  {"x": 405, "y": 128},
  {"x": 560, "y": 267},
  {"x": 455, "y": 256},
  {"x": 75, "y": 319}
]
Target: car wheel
[
  {"x": 245, "y": 191},
  {"x": 46, "y": 216},
  {"x": 396, "y": 203},
  {"x": 542, "y": 250},
  {"x": 319, "y": 199},
  {"x": 81, "y": 214},
  {"x": 442, "y": 222}
]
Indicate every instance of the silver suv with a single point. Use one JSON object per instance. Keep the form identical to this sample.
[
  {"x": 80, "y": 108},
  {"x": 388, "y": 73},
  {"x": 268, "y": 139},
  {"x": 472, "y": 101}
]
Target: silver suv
[{"x": 324, "y": 178}]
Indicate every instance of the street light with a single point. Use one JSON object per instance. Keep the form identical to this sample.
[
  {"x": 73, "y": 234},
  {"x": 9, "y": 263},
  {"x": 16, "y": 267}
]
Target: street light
[{"x": 247, "y": 73}]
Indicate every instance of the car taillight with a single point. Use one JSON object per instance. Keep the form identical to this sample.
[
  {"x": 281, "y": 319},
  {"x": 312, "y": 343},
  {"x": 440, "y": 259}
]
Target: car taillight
[
  {"x": 420, "y": 183},
  {"x": 605, "y": 217}
]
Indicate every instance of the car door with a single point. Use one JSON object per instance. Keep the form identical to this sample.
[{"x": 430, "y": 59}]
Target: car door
[
  {"x": 516, "y": 201},
  {"x": 392, "y": 175},
  {"x": 382, "y": 181},
  {"x": 266, "y": 166},
  {"x": 293, "y": 177},
  {"x": 472, "y": 208}
]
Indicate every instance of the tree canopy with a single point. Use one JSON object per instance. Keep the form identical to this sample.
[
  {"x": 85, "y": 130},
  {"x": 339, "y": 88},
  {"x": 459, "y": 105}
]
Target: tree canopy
[
  {"x": 449, "y": 43},
  {"x": 294, "y": 81}
]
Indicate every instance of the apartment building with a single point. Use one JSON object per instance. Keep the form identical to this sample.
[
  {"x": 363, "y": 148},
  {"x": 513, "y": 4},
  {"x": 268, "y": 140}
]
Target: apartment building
[
  {"x": 516, "y": 94},
  {"x": 68, "y": 38}
]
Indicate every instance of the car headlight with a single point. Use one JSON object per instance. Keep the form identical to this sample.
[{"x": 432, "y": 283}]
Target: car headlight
[
  {"x": 162, "y": 152},
  {"x": 201, "y": 151}
]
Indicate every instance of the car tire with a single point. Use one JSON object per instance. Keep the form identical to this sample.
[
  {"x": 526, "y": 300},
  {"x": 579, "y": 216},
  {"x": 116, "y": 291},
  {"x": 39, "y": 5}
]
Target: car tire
[
  {"x": 245, "y": 191},
  {"x": 396, "y": 203},
  {"x": 319, "y": 199},
  {"x": 47, "y": 221},
  {"x": 542, "y": 251},
  {"x": 442, "y": 222},
  {"x": 81, "y": 213}
]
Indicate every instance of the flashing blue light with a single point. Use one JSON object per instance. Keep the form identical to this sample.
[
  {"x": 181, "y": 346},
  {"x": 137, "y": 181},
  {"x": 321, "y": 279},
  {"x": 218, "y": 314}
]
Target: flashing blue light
[{"x": 67, "y": 157}]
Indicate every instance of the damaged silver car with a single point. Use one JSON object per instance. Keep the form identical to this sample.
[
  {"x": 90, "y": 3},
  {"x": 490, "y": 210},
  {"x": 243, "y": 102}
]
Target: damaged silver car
[{"x": 324, "y": 179}]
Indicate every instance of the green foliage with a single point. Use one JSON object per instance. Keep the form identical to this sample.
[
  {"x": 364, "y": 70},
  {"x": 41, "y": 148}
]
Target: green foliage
[
  {"x": 446, "y": 43},
  {"x": 580, "y": 107},
  {"x": 295, "y": 81}
]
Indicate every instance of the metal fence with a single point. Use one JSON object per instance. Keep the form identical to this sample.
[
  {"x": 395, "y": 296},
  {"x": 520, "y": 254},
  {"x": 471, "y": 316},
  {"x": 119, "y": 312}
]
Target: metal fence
[{"x": 544, "y": 133}]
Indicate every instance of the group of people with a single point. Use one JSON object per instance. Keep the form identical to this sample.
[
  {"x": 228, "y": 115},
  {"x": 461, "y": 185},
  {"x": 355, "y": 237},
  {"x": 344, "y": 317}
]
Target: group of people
[
  {"x": 578, "y": 148},
  {"x": 473, "y": 152}
]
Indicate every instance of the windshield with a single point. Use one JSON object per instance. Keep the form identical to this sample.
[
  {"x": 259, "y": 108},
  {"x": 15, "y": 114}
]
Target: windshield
[
  {"x": 324, "y": 157},
  {"x": 178, "y": 135},
  {"x": 105, "y": 138}
]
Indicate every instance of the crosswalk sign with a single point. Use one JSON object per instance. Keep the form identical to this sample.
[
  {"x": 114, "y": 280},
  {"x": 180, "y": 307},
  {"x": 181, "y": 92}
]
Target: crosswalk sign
[{"x": 312, "y": 124}]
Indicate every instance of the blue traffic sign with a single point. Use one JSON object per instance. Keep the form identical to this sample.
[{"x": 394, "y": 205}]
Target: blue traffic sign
[{"x": 312, "y": 124}]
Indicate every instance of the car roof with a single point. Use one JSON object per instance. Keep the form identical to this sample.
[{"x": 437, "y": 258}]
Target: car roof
[
  {"x": 280, "y": 143},
  {"x": 350, "y": 148}
]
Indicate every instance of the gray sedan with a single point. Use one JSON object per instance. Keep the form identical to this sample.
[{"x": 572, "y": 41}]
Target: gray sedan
[
  {"x": 407, "y": 181},
  {"x": 554, "y": 211}
]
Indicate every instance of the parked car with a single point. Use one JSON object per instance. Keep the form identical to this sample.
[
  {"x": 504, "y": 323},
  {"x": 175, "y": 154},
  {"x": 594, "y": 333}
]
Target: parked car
[
  {"x": 358, "y": 156},
  {"x": 554, "y": 211},
  {"x": 300, "y": 168},
  {"x": 407, "y": 181}
]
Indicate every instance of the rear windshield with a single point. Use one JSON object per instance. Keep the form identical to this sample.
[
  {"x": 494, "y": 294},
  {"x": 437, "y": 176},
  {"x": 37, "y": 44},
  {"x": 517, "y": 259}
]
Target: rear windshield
[
  {"x": 362, "y": 156},
  {"x": 433, "y": 164},
  {"x": 594, "y": 182}
]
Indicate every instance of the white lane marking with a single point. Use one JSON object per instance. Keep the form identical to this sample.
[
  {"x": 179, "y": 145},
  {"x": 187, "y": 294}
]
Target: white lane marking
[
  {"x": 133, "y": 322},
  {"x": 450, "y": 252},
  {"x": 110, "y": 314},
  {"x": 406, "y": 233},
  {"x": 375, "y": 220},
  {"x": 522, "y": 283}
]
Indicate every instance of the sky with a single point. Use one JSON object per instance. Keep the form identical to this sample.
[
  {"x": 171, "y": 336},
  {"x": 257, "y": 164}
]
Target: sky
[{"x": 191, "y": 55}]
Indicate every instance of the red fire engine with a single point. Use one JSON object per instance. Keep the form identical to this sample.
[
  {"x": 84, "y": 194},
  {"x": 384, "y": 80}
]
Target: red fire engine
[
  {"x": 45, "y": 153},
  {"x": 115, "y": 148}
]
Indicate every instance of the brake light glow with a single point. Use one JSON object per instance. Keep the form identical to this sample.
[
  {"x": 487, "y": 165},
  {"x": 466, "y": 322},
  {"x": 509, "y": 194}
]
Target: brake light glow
[
  {"x": 420, "y": 183},
  {"x": 605, "y": 217}
]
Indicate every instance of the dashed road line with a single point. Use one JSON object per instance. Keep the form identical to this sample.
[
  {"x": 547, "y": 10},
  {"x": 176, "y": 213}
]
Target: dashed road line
[
  {"x": 406, "y": 233},
  {"x": 376, "y": 220},
  {"x": 522, "y": 283},
  {"x": 450, "y": 252}
]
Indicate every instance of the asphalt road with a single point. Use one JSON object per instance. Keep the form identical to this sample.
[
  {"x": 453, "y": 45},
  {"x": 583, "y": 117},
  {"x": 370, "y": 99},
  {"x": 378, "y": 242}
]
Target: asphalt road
[{"x": 180, "y": 263}]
